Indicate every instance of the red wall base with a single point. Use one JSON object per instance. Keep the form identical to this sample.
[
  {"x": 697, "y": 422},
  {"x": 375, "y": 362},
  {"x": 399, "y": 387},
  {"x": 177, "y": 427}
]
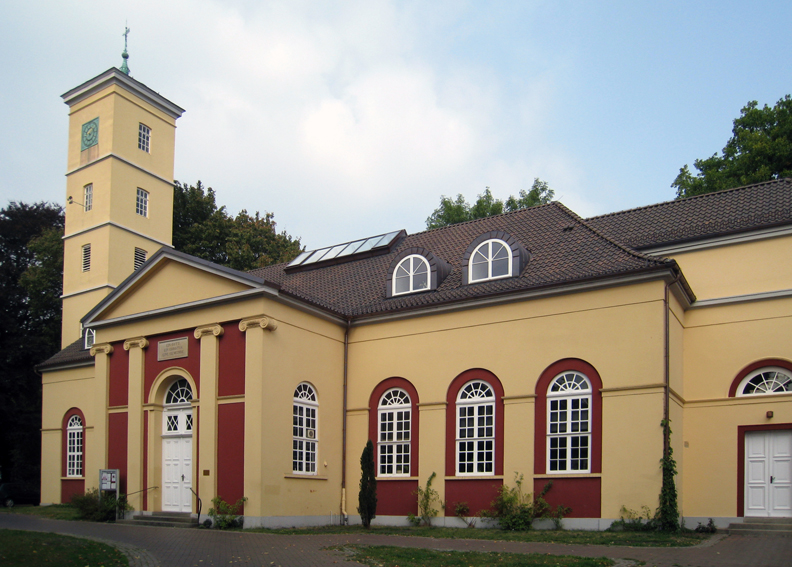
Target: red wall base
[
  {"x": 583, "y": 495},
  {"x": 397, "y": 497},
  {"x": 71, "y": 487},
  {"x": 478, "y": 494}
]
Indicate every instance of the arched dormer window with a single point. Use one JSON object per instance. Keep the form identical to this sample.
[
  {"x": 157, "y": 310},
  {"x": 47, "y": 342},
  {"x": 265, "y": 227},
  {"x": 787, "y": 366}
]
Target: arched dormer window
[
  {"x": 766, "y": 381},
  {"x": 492, "y": 256},
  {"x": 304, "y": 429},
  {"x": 411, "y": 275}
]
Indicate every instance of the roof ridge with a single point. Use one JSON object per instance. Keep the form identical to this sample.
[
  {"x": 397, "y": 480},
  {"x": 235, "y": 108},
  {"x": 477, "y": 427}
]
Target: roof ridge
[
  {"x": 483, "y": 219},
  {"x": 686, "y": 199}
]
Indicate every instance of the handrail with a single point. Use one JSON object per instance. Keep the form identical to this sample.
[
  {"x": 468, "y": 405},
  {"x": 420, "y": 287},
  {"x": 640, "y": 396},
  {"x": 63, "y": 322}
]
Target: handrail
[
  {"x": 144, "y": 490},
  {"x": 200, "y": 505}
]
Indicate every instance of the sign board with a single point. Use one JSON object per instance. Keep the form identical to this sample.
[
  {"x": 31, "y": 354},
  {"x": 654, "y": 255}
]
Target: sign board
[
  {"x": 108, "y": 479},
  {"x": 174, "y": 348}
]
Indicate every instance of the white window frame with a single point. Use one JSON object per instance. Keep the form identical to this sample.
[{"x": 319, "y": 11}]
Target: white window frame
[
  {"x": 305, "y": 439},
  {"x": 768, "y": 373},
  {"x": 90, "y": 338},
  {"x": 473, "y": 403},
  {"x": 86, "y": 257},
  {"x": 394, "y": 440},
  {"x": 140, "y": 258},
  {"x": 413, "y": 261},
  {"x": 488, "y": 255},
  {"x": 75, "y": 439},
  {"x": 88, "y": 197},
  {"x": 144, "y": 138},
  {"x": 176, "y": 417},
  {"x": 142, "y": 202},
  {"x": 573, "y": 395}
]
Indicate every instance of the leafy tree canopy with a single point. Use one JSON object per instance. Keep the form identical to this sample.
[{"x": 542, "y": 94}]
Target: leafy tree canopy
[
  {"x": 244, "y": 242},
  {"x": 454, "y": 211},
  {"x": 760, "y": 149}
]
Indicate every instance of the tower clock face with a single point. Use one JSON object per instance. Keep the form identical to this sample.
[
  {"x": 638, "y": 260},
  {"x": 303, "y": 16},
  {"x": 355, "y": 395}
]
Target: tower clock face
[{"x": 90, "y": 134}]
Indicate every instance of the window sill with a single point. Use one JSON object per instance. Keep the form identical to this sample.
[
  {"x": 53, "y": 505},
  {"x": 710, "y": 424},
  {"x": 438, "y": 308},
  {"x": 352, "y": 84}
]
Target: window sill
[
  {"x": 394, "y": 477},
  {"x": 568, "y": 475},
  {"x": 304, "y": 476},
  {"x": 72, "y": 478},
  {"x": 476, "y": 477}
]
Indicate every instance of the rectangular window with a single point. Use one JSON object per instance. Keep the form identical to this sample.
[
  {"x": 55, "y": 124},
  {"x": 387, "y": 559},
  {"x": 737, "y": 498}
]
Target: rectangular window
[
  {"x": 88, "y": 197},
  {"x": 568, "y": 434},
  {"x": 141, "y": 203},
  {"x": 303, "y": 439},
  {"x": 140, "y": 258},
  {"x": 476, "y": 439},
  {"x": 394, "y": 442},
  {"x": 86, "y": 258},
  {"x": 144, "y": 138}
]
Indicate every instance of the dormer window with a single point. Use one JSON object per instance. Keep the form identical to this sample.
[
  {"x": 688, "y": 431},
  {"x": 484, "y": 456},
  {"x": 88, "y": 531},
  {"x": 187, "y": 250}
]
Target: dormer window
[
  {"x": 90, "y": 338},
  {"x": 411, "y": 275},
  {"x": 490, "y": 260}
]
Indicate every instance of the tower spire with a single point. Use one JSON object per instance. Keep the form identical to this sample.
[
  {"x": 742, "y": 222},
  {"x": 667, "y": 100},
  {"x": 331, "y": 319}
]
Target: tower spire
[{"x": 125, "y": 55}]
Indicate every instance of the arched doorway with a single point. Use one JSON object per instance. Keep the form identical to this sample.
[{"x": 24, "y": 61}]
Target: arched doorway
[{"x": 177, "y": 429}]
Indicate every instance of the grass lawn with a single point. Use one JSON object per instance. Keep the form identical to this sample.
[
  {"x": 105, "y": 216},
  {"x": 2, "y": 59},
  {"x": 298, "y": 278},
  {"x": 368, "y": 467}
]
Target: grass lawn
[
  {"x": 53, "y": 512},
  {"x": 23, "y": 549},
  {"x": 386, "y": 556},
  {"x": 634, "y": 539}
]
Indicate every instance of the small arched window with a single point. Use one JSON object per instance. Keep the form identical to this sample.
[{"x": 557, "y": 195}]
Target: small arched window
[
  {"x": 475, "y": 429},
  {"x": 394, "y": 435},
  {"x": 304, "y": 429},
  {"x": 766, "y": 381},
  {"x": 492, "y": 259},
  {"x": 569, "y": 423},
  {"x": 411, "y": 275},
  {"x": 178, "y": 418},
  {"x": 74, "y": 446}
]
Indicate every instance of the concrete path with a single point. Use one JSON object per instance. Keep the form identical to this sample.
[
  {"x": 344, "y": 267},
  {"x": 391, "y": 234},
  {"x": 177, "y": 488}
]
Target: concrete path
[{"x": 168, "y": 547}]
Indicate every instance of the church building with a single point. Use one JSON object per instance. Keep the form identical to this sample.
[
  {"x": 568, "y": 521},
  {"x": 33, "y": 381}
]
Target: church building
[{"x": 536, "y": 343}]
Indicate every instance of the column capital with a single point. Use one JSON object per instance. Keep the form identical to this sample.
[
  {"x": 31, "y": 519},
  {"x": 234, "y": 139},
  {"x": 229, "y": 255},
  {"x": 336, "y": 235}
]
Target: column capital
[
  {"x": 139, "y": 342},
  {"x": 205, "y": 330},
  {"x": 101, "y": 348},
  {"x": 266, "y": 323}
]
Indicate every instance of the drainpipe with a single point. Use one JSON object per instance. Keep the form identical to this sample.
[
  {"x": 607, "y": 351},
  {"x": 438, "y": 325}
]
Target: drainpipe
[
  {"x": 667, "y": 369},
  {"x": 344, "y": 516}
]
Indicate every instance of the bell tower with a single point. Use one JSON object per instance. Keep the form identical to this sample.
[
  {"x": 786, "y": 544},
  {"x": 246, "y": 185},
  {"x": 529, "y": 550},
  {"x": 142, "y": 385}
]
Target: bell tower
[{"x": 119, "y": 187}]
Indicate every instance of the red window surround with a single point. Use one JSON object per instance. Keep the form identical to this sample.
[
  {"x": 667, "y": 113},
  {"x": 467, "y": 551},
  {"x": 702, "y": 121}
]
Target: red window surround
[
  {"x": 75, "y": 485},
  {"x": 756, "y": 366}
]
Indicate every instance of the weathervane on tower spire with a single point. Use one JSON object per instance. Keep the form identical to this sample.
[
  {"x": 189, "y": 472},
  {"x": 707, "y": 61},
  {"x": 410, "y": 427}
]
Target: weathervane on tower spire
[{"x": 125, "y": 55}]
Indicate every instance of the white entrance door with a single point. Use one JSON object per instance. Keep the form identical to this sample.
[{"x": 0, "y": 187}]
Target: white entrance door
[
  {"x": 177, "y": 460},
  {"x": 768, "y": 473}
]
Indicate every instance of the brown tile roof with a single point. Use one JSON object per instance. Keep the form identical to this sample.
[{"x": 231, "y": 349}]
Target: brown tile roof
[
  {"x": 73, "y": 354},
  {"x": 563, "y": 249},
  {"x": 733, "y": 211}
]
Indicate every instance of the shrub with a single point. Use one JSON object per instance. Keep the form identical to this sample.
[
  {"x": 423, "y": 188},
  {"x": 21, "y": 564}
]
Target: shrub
[
  {"x": 558, "y": 515},
  {"x": 516, "y": 510},
  {"x": 91, "y": 508},
  {"x": 427, "y": 498},
  {"x": 367, "y": 497},
  {"x": 461, "y": 510},
  {"x": 226, "y": 516},
  {"x": 710, "y": 528},
  {"x": 633, "y": 521}
]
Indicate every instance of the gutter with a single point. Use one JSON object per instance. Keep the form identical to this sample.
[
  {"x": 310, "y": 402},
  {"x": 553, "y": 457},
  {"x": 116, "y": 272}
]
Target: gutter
[{"x": 344, "y": 515}]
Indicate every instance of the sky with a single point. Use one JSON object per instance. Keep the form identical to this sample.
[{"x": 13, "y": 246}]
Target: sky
[{"x": 348, "y": 119}]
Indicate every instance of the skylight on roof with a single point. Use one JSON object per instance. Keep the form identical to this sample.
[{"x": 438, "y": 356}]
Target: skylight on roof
[{"x": 345, "y": 249}]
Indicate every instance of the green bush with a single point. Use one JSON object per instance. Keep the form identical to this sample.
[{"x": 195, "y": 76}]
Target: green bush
[
  {"x": 91, "y": 508},
  {"x": 427, "y": 498},
  {"x": 367, "y": 497},
  {"x": 634, "y": 521},
  {"x": 462, "y": 511},
  {"x": 224, "y": 515},
  {"x": 710, "y": 528},
  {"x": 516, "y": 510}
]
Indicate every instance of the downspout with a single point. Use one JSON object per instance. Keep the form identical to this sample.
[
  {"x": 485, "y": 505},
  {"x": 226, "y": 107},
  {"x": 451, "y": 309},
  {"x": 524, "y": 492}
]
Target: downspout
[
  {"x": 344, "y": 516},
  {"x": 667, "y": 369}
]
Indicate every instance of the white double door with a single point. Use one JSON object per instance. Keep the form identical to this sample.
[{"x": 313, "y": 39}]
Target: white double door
[
  {"x": 177, "y": 461},
  {"x": 768, "y": 473}
]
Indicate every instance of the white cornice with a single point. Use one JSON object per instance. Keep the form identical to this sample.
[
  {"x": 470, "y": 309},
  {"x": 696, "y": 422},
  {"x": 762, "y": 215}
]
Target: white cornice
[
  {"x": 732, "y": 299},
  {"x": 716, "y": 241},
  {"x": 122, "y": 159},
  {"x": 120, "y": 226}
]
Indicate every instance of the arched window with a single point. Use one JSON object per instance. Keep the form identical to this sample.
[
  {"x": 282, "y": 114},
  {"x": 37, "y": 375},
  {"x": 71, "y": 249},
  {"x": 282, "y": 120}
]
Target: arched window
[
  {"x": 178, "y": 418},
  {"x": 475, "y": 429},
  {"x": 74, "y": 446},
  {"x": 304, "y": 432},
  {"x": 393, "y": 436},
  {"x": 492, "y": 259},
  {"x": 766, "y": 381},
  {"x": 411, "y": 275},
  {"x": 569, "y": 423}
]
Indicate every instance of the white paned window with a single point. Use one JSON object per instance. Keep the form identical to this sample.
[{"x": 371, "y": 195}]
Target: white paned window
[
  {"x": 88, "y": 197},
  {"x": 90, "y": 338},
  {"x": 412, "y": 274},
  {"x": 177, "y": 417},
  {"x": 770, "y": 380},
  {"x": 393, "y": 436},
  {"x": 74, "y": 448},
  {"x": 141, "y": 202},
  {"x": 144, "y": 138},
  {"x": 569, "y": 424},
  {"x": 86, "y": 258},
  {"x": 490, "y": 260},
  {"x": 140, "y": 257},
  {"x": 304, "y": 429},
  {"x": 475, "y": 429}
]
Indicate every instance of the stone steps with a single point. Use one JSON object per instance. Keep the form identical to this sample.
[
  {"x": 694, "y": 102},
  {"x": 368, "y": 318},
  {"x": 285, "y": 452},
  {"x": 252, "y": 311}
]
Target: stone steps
[
  {"x": 163, "y": 520},
  {"x": 781, "y": 527}
]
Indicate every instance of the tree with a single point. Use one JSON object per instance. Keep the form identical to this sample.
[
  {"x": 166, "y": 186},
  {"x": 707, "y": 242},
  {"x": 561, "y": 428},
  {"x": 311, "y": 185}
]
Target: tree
[
  {"x": 31, "y": 260},
  {"x": 367, "y": 497},
  {"x": 244, "y": 242},
  {"x": 455, "y": 211},
  {"x": 760, "y": 149}
]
